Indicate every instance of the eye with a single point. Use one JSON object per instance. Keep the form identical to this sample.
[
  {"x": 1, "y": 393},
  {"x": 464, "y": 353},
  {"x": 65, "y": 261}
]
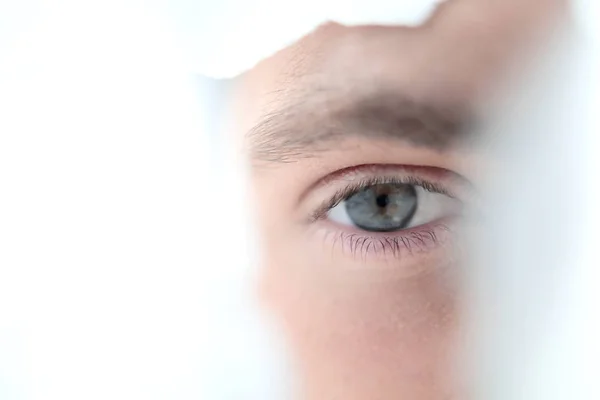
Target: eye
[{"x": 392, "y": 207}]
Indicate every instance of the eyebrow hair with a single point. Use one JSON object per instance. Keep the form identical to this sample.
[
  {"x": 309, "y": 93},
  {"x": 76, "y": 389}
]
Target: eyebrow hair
[{"x": 300, "y": 130}]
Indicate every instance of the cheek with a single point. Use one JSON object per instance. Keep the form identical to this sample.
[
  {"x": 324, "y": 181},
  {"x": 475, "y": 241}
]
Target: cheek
[{"x": 362, "y": 331}]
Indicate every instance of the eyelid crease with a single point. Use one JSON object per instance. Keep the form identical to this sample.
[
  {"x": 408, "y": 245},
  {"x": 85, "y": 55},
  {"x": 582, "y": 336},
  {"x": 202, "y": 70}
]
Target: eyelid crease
[{"x": 431, "y": 174}]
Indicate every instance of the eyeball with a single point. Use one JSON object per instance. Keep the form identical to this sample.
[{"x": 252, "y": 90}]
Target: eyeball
[{"x": 393, "y": 207}]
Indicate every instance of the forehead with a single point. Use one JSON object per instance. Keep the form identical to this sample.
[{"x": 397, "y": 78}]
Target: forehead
[{"x": 452, "y": 59}]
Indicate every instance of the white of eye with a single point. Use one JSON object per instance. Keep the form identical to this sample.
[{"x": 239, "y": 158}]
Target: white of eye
[{"x": 431, "y": 206}]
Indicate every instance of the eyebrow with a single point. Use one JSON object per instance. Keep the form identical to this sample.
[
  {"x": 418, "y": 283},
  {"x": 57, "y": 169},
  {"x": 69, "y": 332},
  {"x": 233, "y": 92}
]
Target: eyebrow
[{"x": 299, "y": 130}]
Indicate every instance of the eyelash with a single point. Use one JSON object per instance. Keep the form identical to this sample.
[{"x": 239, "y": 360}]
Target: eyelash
[
  {"x": 412, "y": 242},
  {"x": 355, "y": 187},
  {"x": 395, "y": 244}
]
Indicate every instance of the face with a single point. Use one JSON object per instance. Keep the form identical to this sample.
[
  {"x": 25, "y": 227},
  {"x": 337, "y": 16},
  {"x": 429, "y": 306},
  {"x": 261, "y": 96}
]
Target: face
[{"x": 361, "y": 166}]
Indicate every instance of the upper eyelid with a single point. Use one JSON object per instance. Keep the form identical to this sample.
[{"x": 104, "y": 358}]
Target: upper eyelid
[
  {"x": 432, "y": 174},
  {"x": 319, "y": 195}
]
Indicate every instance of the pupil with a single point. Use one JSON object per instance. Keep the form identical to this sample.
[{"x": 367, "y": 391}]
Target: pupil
[{"x": 382, "y": 200}]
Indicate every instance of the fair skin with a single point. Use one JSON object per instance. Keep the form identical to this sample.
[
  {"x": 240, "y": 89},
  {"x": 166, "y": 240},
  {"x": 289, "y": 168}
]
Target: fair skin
[{"x": 373, "y": 314}]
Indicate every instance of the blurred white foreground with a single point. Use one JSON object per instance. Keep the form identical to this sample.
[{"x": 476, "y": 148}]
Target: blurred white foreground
[{"x": 535, "y": 276}]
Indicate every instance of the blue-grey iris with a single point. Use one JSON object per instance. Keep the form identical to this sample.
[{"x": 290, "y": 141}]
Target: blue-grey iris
[{"x": 383, "y": 207}]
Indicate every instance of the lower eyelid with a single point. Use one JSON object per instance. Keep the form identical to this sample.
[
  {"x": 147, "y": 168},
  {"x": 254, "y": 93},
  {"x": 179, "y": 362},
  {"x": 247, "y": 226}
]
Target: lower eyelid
[{"x": 390, "y": 246}]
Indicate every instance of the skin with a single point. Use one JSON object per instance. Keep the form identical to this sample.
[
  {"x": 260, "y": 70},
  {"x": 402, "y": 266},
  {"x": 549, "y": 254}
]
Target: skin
[{"x": 360, "y": 326}]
